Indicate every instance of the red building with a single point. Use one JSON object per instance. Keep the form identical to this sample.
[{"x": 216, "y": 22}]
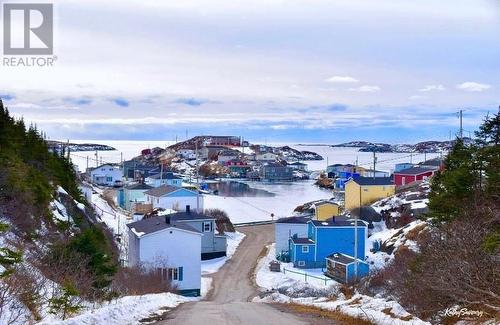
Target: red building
[{"x": 410, "y": 175}]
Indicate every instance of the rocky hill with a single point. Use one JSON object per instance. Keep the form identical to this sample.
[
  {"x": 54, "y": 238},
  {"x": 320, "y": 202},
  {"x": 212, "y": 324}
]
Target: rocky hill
[{"x": 420, "y": 147}]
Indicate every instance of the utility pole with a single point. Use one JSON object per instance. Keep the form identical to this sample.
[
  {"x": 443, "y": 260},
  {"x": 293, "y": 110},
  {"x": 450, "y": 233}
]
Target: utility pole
[
  {"x": 356, "y": 237},
  {"x": 411, "y": 157},
  {"x": 374, "y": 162},
  {"x": 197, "y": 181},
  {"x": 461, "y": 132},
  {"x": 87, "y": 164},
  {"x": 96, "y": 159}
]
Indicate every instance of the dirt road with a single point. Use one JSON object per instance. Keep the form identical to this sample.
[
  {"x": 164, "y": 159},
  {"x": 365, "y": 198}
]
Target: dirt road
[{"x": 230, "y": 299}]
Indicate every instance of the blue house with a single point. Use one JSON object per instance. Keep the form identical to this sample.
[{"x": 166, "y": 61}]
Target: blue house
[
  {"x": 343, "y": 177},
  {"x": 343, "y": 268},
  {"x": 402, "y": 166},
  {"x": 325, "y": 238}
]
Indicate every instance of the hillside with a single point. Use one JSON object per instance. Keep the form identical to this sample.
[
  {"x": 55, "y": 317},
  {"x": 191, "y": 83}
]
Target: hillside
[{"x": 420, "y": 147}]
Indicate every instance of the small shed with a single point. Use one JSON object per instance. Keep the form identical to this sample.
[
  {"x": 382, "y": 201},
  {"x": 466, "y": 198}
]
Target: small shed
[
  {"x": 341, "y": 267},
  {"x": 274, "y": 266}
]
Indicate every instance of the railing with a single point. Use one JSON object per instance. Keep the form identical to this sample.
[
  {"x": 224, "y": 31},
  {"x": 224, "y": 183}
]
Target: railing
[
  {"x": 254, "y": 223},
  {"x": 306, "y": 276}
]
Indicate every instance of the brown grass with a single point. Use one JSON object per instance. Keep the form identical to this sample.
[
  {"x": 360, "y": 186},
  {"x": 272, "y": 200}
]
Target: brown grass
[
  {"x": 347, "y": 290},
  {"x": 329, "y": 314},
  {"x": 109, "y": 196},
  {"x": 415, "y": 232},
  {"x": 388, "y": 311},
  {"x": 355, "y": 301}
]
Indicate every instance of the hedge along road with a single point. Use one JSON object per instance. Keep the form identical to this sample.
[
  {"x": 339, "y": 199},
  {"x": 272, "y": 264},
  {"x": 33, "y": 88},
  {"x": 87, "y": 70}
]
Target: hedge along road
[{"x": 229, "y": 301}]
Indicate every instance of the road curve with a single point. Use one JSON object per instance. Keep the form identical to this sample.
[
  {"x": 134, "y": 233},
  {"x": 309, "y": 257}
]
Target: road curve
[{"x": 229, "y": 302}]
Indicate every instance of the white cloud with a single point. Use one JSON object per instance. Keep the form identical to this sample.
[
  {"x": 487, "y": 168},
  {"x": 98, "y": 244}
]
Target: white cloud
[
  {"x": 417, "y": 97},
  {"x": 473, "y": 86},
  {"x": 432, "y": 88},
  {"x": 342, "y": 79},
  {"x": 366, "y": 89}
]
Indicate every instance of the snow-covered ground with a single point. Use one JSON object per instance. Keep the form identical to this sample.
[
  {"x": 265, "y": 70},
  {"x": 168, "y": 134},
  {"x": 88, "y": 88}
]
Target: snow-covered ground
[
  {"x": 125, "y": 310},
  {"x": 233, "y": 241},
  {"x": 286, "y": 288},
  {"x": 274, "y": 280}
]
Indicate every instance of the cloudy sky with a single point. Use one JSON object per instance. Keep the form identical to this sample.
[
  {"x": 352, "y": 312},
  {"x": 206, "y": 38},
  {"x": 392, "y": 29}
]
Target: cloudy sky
[{"x": 297, "y": 70}]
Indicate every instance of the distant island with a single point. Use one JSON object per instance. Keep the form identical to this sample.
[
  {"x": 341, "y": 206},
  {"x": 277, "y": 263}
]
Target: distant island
[
  {"x": 79, "y": 146},
  {"x": 425, "y": 146}
]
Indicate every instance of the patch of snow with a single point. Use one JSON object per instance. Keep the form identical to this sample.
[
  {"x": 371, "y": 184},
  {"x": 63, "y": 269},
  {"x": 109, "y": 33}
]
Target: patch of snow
[
  {"x": 213, "y": 265},
  {"x": 125, "y": 310},
  {"x": 206, "y": 285},
  {"x": 137, "y": 233},
  {"x": 61, "y": 190}
]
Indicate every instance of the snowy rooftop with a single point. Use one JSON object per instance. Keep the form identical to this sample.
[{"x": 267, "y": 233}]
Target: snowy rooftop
[{"x": 154, "y": 224}]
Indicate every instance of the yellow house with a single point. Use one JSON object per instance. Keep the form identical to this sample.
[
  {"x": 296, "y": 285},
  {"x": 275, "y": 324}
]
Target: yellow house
[
  {"x": 325, "y": 210},
  {"x": 365, "y": 190}
]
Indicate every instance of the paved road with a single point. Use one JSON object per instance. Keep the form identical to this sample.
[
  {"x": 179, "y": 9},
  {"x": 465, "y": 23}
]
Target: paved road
[{"x": 233, "y": 289}]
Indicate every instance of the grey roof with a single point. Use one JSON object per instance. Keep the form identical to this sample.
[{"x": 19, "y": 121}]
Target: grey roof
[
  {"x": 138, "y": 186},
  {"x": 293, "y": 220},
  {"x": 326, "y": 202},
  {"x": 162, "y": 190},
  {"x": 341, "y": 258},
  {"x": 414, "y": 171},
  {"x": 297, "y": 163},
  {"x": 154, "y": 224},
  {"x": 432, "y": 162},
  {"x": 296, "y": 240},
  {"x": 184, "y": 216},
  {"x": 337, "y": 223},
  {"x": 166, "y": 175},
  {"x": 367, "y": 181}
]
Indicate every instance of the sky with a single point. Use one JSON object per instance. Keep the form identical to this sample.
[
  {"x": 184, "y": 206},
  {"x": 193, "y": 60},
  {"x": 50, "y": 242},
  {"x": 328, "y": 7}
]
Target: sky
[{"x": 305, "y": 71}]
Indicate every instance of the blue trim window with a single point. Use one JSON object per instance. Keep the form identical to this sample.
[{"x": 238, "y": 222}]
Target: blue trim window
[
  {"x": 305, "y": 249},
  {"x": 207, "y": 226}
]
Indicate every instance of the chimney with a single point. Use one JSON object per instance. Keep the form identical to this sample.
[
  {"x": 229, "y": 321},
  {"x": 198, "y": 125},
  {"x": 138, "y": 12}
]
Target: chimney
[
  {"x": 188, "y": 208},
  {"x": 167, "y": 219}
]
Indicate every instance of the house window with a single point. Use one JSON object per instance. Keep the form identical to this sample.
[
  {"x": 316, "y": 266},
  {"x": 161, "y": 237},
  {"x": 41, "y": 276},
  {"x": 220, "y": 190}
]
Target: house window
[
  {"x": 207, "y": 226},
  {"x": 305, "y": 249},
  {"x": 109, "y": 179},
  {"x": 302, "y": 263}
]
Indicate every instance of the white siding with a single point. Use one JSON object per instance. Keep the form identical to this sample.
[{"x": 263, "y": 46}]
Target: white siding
[
  {"x": 176, "y": 248},
  {"x": 283, "y": 231},
  {"x": 175, "y": 203}
]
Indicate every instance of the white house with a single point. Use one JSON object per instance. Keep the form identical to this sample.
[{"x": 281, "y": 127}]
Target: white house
[
  {"x": 175, "y": 249},
  {"x": 267, "y": 156},
  {"x": 175, "y": 198},
  {"x": 107, "y": 174},
  {"x": 187, "y": 154},
  {"x": 226, "y": 155},
  {"x": 378, "y": 173},
  {"x": 285, "y": 228},
  {"x": 165, "y": 178}
]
